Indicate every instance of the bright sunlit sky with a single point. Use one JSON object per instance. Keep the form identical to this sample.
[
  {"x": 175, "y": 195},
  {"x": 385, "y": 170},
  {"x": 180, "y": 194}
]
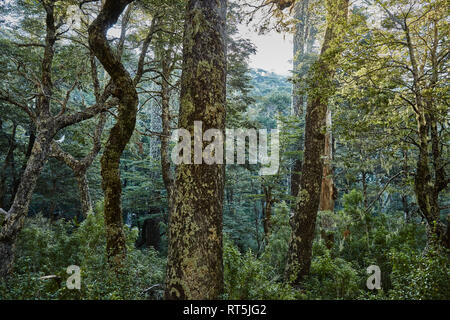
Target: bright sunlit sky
[{"x": 274, "y": 50}]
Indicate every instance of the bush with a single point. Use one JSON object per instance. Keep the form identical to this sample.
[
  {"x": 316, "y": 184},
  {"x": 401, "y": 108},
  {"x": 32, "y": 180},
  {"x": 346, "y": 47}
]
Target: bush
[
  {"x": 46, "y": 248},
  {"x": 247, "y": 277},
  {"x": 420, "y": 277},
  {"x": 331, "y": 278}
]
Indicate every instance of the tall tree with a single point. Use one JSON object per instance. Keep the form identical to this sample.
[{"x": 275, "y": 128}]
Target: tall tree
[
  {"x": 410, "y": 83},
  {"x": 304, "y": 220},
  {"x": 9, "y": 162},
  {"x": 46, "y": 123},
  {"x": 327, "y": 194},
  {"x": 120, "y": 134},
  {"x": 168, "y": 55},
  {"x": 304, "y": 37},
  {"x": 194, "y": 267},
  {"x": 124, "y": 89}
]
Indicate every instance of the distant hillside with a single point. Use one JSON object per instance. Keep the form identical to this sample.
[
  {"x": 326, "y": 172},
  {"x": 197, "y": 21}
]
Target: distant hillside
[
  {"x": 272, "y": 94},
  {"x": 265, "y": 83}
]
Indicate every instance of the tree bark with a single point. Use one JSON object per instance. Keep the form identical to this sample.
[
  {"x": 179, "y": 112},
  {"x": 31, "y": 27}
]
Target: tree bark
[
  {"x": 9, "y": 159},
  {"x": 16, "y": 215},
  {"x": 327, "y": 190},
  {"x": 80, "y": 167},
  {"x": 47, "y": 126},
  {"x": 85, "y": 196},
  {"x": 303, "y": 222},
  {"x": 304, "y": 36},
  {"x": 194, "y": 267},
  {"x": 120, "y": 134},
  {"x": 267, "y": 211},
  {"x": 364, "y": 189},
  {"x": 165, "y": 117},
  {"x": 31, "y": 140},
  {"x": 426, "y": 188}
]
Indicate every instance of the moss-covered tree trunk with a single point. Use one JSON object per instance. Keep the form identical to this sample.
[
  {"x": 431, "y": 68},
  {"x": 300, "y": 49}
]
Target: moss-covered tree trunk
[
  {"x": 327, "y": 191},
  {"x": 31, "y": 140},
  {"x": 46, "y": 128},
  {"x": 267, "y": 211},
  {"x": 303, "y": 222},
  {"x": 165, "y": 117},
  {"x": 429, "y": 181},
  {"x": 194, "y": 267},
  {"x": 304, "y": 37},
  {"x": 15, "y": 217},
  {"x": 9, "y": 162},
  {"x": 120, "y": 134}
]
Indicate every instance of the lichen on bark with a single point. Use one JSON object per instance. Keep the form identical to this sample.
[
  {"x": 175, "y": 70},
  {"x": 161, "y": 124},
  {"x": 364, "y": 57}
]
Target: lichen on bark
[
  {"x": 303, "y": 222},
  {"x": 194, "y": 268},
  {"x": 120, "y": 134}
]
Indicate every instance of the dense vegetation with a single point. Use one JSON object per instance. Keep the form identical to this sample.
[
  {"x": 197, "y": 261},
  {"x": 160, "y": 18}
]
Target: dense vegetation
[{"x": 86, "y": 177}]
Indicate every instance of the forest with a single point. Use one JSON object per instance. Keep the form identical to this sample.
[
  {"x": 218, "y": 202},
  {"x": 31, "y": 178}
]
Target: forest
[{"x": 336, "y": 189}]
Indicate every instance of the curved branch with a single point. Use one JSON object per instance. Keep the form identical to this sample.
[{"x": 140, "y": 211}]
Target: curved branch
[
  {"x": 120, "y": 134},
  {"x": 381, "y": 192}
]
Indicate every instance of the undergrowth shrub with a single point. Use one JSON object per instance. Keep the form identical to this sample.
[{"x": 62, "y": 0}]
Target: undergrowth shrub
[
  {"x": 247, "y": 277},
  {"x": 47, "y": 249}
]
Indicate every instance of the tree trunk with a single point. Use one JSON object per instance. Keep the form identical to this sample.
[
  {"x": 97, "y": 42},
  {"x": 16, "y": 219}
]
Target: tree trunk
[
  {"x": 427, "y": 192},
  {"x": 46, "y": 128},
  {"x": 426, "y": 188},
  {"x": 45, "y": 131},
  {"x": 19, "y": 209},
  {"x": 327, "y": 191},
  {"x": 9, "y": 162},
  {"x": 120, "y": 134},
  {"x": 31, "y": 140},
  {"x": 85, "y": 196},
  {"x": 80, "y": 167},
  {"x": 303, "y": 222},
  {"x": 165, "y": 117},
  {"x": 150, "y": 235},
  {"x": 364, "y": 189},
  {"x": 304, "y": 36},
  {"x": 195, "y": 267},
  {"x": 267, "y": 211},
  {"x": 296, "y": 173}
]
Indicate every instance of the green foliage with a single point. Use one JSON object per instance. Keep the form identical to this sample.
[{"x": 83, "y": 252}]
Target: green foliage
[
  {"x": 247, "y": 277},
  {"x": 374, "y": 129},
  {"x": 418, "y": 276},
  {"x": 46, "y": 248},
  {"x": 275, "y": 253},
  {"x": 330, "y": 277}
]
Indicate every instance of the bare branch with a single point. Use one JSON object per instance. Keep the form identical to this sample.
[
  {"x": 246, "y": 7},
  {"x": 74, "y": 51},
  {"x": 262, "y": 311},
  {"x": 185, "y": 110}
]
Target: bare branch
[
  {"x": 140, "y": 69},
  {"x": 69, "y": 119},
  {"x": 381, "y": 192},
  {"x": 24, "y": 107},
  {"x": 66, "y": 99},
  {"x": 29, "y": 44}
]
